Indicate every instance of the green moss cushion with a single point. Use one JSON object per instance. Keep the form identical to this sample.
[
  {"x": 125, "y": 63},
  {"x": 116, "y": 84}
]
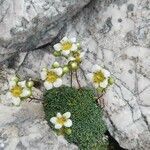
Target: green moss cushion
[{"x": 88, "y": 127}]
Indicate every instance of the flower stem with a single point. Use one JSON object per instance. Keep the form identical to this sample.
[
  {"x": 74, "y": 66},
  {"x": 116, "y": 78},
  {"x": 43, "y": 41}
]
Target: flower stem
[
  {"x": 77, "y": 80},
  {"x": 83, "y": 73},
  {"x": 34, "y": 98},
  {"x": 100, "y": 96}
]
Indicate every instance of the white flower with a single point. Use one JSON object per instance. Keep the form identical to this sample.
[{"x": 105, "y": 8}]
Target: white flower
[
  {"x": 61, "y": 120},
  {"x": 99, "y": 76},
  {"x": 52, "y": 77},
  {"x": 18, "y": 90},
  {"x": 66, "y": 46}
]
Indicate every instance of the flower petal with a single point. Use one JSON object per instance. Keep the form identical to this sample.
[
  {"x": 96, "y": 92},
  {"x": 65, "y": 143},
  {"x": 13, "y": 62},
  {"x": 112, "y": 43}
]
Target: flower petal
[
  {"x": 106, "y": 73},
  {"x": 53, "y": 120},
  {"x": 73, "y": 40},
  {"x": 48, "y": 85},
  {"x": 15, "y": 78},
  {"x": 68, "y": 123},
  {"x": 57, "y": 83},
  {"x": 58, "y": 71},
  {"x": 59, "y": 115},
  {"x": 104, "y": 83},
  {"x": 58, "y": 126},
  {"x": 96, "y": 68},
  {"x": 66, "y": 52},
  {"x": 16, "y": 101},
  {"x": 22, "y": 84},
  {"x": 26, "y": 92},
  {"x": 67, "y": 115},
  {"x": 74, "y": 47},
  {"x": 12, "y": 83},
  {"x": 71, "y": 58},
  {"x": 9, "y": 95},
  {"x": 65, "y": 39},
  {"x": 44, "y": 74},
  {"x": 57, "y": 47},
  {"x": 96, "y": 85}
]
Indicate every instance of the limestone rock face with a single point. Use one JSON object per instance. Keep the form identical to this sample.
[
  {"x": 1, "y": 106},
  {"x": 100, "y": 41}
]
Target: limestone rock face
[
  {"x": 28, "y": 24},
  {"x": 27, "y": 130},
  {"x": 114, "y": 34}
]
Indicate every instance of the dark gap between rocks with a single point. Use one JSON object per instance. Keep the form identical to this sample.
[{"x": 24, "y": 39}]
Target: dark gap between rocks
[{"x": 113, "y": 144}]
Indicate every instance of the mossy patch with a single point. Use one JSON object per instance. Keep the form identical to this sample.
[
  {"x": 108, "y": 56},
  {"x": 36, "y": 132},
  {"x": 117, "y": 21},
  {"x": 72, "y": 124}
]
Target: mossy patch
[{"x": 88, "y": 127}]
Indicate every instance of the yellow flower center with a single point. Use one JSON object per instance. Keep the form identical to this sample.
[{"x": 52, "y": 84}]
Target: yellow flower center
[
  {"x": 51, "y": 77},
  {"x": 16, "y": 91},
  {"x": 98, "y": 77},
  {"x": 61, "y": 120},
  {"x": 66, "y": 46}
]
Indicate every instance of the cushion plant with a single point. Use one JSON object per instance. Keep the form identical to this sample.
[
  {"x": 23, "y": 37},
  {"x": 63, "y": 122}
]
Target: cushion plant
[{"x": 88, "y": 127}]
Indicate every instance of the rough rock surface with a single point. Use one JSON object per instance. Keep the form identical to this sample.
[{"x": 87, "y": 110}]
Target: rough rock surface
[
  {"x": 115, "y": 34},
  {"x": 28, "y": 24},
  {"x": 24, "y": 128}
]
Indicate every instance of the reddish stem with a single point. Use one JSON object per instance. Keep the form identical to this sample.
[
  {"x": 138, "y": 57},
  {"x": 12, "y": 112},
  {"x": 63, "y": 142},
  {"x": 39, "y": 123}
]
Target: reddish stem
[
  {"x": 78, "y": 80},
  {"x": 83, "y": 73},
  {"x": 33, "y": 98}
]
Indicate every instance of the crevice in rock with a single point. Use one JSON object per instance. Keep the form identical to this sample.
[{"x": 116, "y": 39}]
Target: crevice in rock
[
  {"x": 55, "y": 39},
  {"x": 138, "y": 97},
  {"x": 113, "y": 144},
  {"x": 3, "y": 15}
]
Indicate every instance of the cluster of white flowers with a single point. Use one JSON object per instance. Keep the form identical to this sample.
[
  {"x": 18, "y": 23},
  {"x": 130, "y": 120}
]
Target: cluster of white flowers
[
  {"x": 52, "y": 77},
  {"x": 19, "y": 90},
  {"x": 68, "y": 49},
  {"x": 71, "y": 50}
]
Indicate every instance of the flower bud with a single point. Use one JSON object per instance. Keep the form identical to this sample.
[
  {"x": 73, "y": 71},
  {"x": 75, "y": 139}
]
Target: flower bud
[
  {"x": 79, "y": 45},
  {"x": 56, "y": 54},
  {"x": 30, "y": 84},
  {"x": 68, "y": 131},
  {"x": 74, "y": 65},
  {"x": 56, "y": 64},
  {"x": 65, "y": 69},
  {"x": 111, "y": 80}
]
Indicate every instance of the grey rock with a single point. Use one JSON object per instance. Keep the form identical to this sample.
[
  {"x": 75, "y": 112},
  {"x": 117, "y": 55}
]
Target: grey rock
[
  {"x": 26, "y": 25},
  {"x": 26, "y": 129},
  {"x": 114, "y": 34}
]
